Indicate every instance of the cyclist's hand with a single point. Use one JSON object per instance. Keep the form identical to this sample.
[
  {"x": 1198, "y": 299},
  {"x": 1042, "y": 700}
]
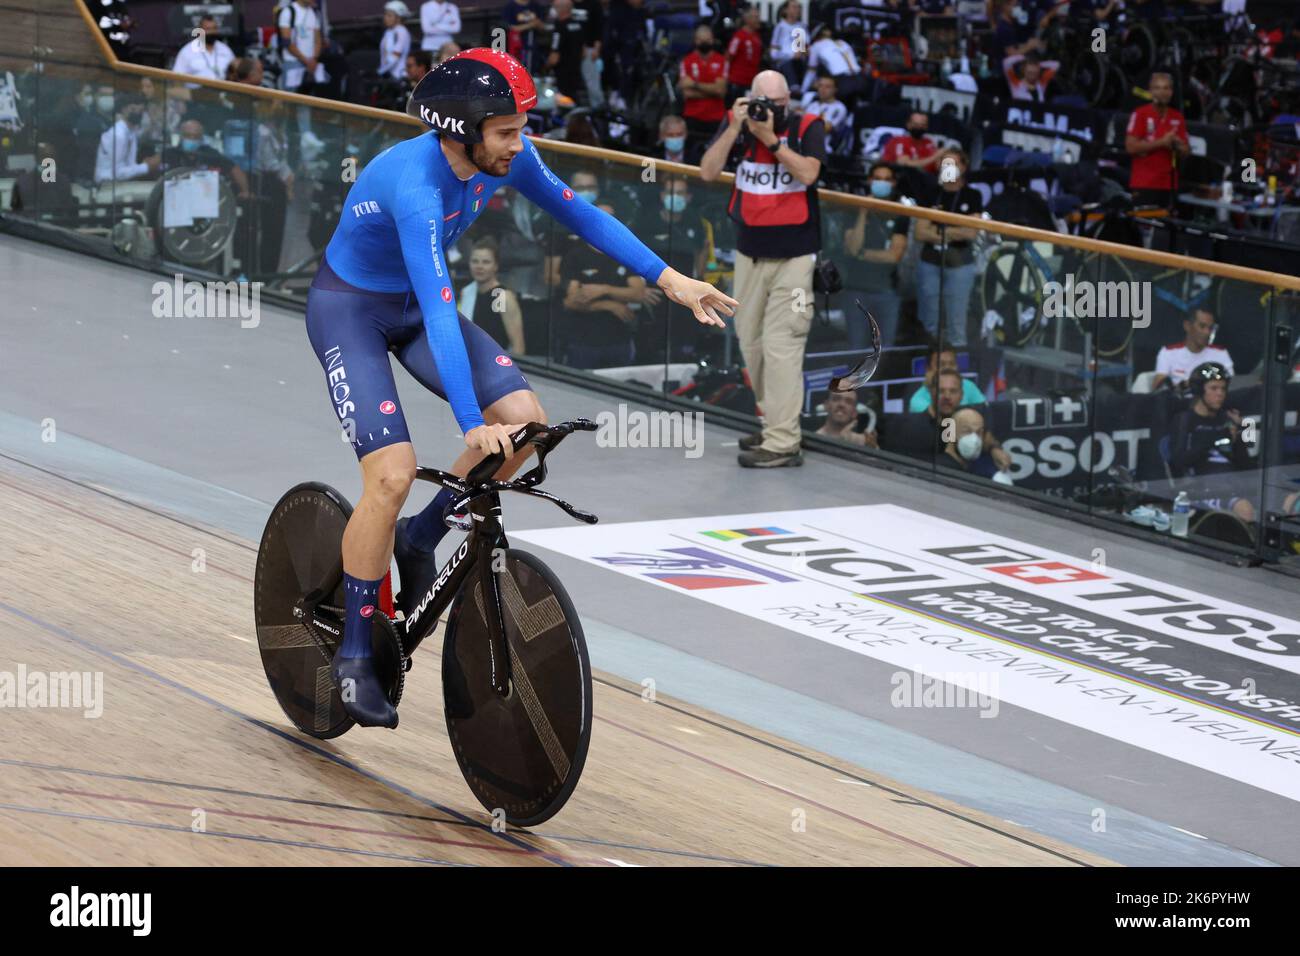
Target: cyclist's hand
[
  {"x": 490, "y": 439},
  {"x": 700, "y": 297}
]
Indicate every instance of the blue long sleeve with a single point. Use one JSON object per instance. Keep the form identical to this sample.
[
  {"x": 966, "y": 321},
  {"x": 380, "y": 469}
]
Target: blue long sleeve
[
  {"x": 419, "y": 221},
  {"x": 531, "y": 176}
]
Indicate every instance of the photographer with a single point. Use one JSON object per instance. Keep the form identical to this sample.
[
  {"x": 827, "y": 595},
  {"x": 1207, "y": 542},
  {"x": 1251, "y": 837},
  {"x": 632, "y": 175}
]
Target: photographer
[{"x": 778, "y": 235}]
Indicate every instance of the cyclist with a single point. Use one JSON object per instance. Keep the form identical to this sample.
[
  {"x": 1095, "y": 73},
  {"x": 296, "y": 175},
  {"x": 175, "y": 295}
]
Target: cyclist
[{"x": 384, "y": 285}]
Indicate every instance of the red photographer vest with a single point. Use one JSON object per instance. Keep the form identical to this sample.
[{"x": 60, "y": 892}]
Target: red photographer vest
[{"x": 765, "y": 193}]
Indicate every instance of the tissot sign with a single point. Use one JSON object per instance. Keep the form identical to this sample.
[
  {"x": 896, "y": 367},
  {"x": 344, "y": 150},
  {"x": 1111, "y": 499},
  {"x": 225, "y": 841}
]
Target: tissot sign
[{"x": 1188, "y": 675}]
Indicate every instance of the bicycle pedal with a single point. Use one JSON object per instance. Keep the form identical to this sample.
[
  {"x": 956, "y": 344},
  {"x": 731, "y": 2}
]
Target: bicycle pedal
[{"x": 410, "y": 662}]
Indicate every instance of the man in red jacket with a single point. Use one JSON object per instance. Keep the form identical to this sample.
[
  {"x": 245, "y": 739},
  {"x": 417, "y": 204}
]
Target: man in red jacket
[
  {"x": 702, "y": 82},
  {"x": 744, "y": 53},
  {"x": 1157, "y": 141}
]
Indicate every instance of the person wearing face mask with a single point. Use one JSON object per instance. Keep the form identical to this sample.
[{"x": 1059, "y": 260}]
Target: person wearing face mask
[
  {"x": 204, "y": 56},
  {"x": 967, "y": 451},
  {"x": 875, "y": 243},
  {"x": 914, "y": 149},
  {"x": 677, "y": 147},
  {"x": 778, "y": 160},
  {"x": 702, "y": 81},
  {"x": 678, "y": 235},
  {"x": 116, "y": 159},
  {"x": 193, "y": 153},
  {"x": 599, "y": 322},
  {"x": 947, "y": 266},
  {"x": 586, "y": 186}
]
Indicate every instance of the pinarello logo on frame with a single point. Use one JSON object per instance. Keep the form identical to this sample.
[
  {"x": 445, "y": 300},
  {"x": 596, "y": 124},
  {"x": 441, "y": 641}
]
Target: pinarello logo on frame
[
  {"x": 568, "y": 194},
  {"x": 504, "y": 360},
  {"x": 388, "y": 407},
  {"x": 446, "y": 293},
  {"x": 368, "y": 610}
]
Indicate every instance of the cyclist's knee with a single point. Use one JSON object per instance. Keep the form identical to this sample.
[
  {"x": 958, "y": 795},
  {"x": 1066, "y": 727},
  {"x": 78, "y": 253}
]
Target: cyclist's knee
[
  {"x": 516, "y": 408},
  {"x": 387, "y": 479}
]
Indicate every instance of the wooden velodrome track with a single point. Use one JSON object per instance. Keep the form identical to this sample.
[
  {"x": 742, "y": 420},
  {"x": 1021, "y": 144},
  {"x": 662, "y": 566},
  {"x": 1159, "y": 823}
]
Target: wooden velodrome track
[{"x": 193, "y": 763}]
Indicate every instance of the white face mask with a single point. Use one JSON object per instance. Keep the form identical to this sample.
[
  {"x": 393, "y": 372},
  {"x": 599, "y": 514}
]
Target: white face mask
[{"x": 969, "y": 446}]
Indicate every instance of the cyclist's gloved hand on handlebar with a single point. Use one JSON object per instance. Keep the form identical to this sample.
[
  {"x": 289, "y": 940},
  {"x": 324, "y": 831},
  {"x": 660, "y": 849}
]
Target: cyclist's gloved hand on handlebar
[{"x": 490, "y": 439}]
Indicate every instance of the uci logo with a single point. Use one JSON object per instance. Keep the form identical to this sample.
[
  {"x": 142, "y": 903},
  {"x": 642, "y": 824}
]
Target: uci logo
[{"x": 442, "y": 122}]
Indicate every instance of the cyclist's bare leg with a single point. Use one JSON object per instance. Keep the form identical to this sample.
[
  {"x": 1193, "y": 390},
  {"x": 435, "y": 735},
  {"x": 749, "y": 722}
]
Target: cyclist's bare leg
[
  {"x": 517, "y": 408},
  {"x": 386, "y": 479}
]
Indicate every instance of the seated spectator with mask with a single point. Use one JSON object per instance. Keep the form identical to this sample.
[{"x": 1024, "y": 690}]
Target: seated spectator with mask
[
  {"x": 116, "y": 159},
  {"x": 914, "y": 149},
  {"x": 598, "y": 324},
  {"x": 676, "y": 148},
  {"x": 967, "y": 452},
  {"x": 586, "y": 186},
  {"x": 193, "y": 152},
  {"x": 922, "y": 434},
  {"x": 679, "y": 235}
]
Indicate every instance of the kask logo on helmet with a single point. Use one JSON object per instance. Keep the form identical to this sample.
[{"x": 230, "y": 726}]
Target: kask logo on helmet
[{"x": 439, "y": 121}]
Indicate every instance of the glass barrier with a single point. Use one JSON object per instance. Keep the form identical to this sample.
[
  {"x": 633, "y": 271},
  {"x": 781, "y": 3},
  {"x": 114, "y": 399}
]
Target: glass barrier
[{"x": 1060, "y": 371}]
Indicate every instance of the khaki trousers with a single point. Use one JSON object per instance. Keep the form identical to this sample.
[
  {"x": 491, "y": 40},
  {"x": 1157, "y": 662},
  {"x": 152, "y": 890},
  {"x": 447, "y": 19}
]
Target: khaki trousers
[{"x": 772, "y": 322}]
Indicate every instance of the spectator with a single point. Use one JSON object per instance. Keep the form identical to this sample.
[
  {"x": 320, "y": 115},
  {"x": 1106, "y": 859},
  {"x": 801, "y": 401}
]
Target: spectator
[
  {"x": 526, "y": 29},
  {"x": 592, "y": 14},
  {"x": 205, "y": 56},
  {"x": 1029, "y": 76},
  {"x": 948, "y": 250},
  {"x": 922, "y": 434},
  {"x": 679, "y": 235},
  {"x": 789, "y": 46},
  {"x": 833, "y": 113},
  {"x": 1175, "y": 362},
  {"x": 598, "y": 323},
  {"x": 246, "y": 70},
  {"x": 273, "y": 182},
  {"x": 445, "y": 53},
  {"x": 967, "y": 451},
  {"x": 915, "y": 149},
  {"x": 943, "y": 360},
  {"x": 418, "y": 63},
  {"x": 778, "y": 234},
  {"x": 1156, "y": 139},
  {"x": 875, "y": 243},
  {"x": 396, "y": 43},
  {"x": 586, "y": 186},
  {"x": 1206, "y": 439},
  {"x": 487, "y": 303},
  {"x": 192, "y": 151},
  {"x": 578, "y": 129},
  {"x": 439, "y": 24},
  {"x": 842, "y": 419},
  {"x": 832, "y": 55},
  {"x": 1013, "y": 30},
  {"x": 676, "y": 148},
  {"x": 568, "y": 41},
  {"x": 627, "y": 34},
  {"x": 702, "y": 81},
  {"x": 744, "y": 52},
  {"x": 301, "y": 43},
  {"x": 116, "y": 160}
]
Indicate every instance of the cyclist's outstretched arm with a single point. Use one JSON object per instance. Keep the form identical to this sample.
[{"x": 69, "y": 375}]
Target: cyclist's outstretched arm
[{"x": 530, "y": 175}]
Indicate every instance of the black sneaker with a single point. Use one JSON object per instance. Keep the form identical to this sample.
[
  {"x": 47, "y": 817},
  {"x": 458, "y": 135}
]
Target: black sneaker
[
  {"x": 762, "y": 458},
  {"x": 751, "y": 441},
  {"x": 363, "y": 695},
  {"x": 416, "y": 569}
]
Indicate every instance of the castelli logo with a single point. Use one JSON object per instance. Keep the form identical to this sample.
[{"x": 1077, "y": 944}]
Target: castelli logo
[
  {"x": 387, "y": 407},
  {"x": 568, "y": 194},
  {"x": 446, "y": 293},
  {"x": 504, "y": 360},
  {"x": 368, "y": 610}
]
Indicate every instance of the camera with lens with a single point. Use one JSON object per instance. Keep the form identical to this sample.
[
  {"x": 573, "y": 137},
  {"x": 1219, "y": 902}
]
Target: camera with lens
[{"x": 759, "y": 107}]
